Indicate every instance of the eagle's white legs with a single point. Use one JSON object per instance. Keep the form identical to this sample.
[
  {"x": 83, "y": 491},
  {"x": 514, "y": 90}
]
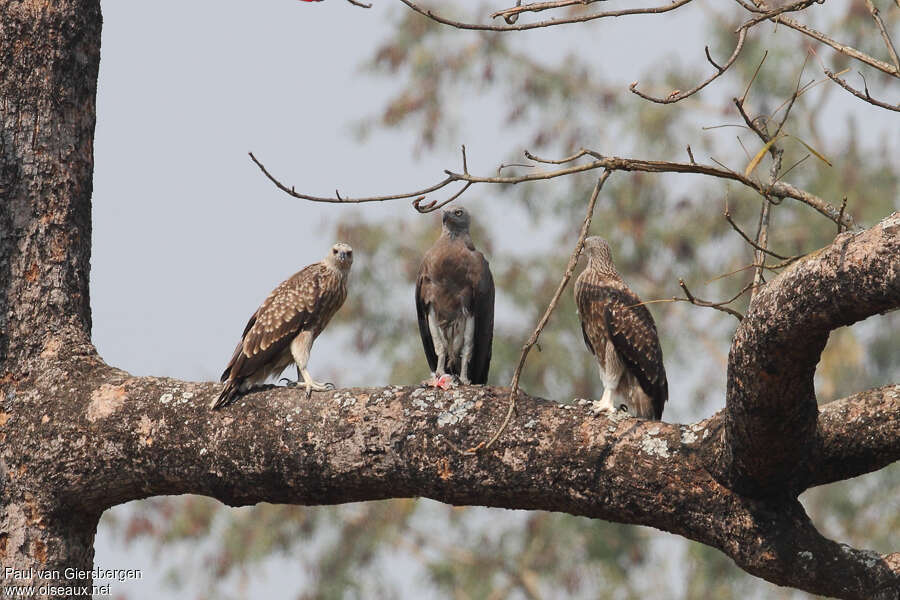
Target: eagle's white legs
[
  {"x": 440, "y": 344},
  {"x": 300, "y": 348},
  {"x": 468, "y": 346},
  {"x": 611, "y": 371}
]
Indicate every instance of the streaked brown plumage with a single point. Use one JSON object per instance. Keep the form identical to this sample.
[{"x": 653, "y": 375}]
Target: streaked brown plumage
[
  {"x": 620, "y": 333},
  {"x": 284, "y": 327},
  {"x": 455, "y": 303}
]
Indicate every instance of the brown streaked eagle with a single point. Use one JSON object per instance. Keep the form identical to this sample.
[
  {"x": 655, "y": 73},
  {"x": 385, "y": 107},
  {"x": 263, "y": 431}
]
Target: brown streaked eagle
[
  {"x": 455, "y": 304},
  {"x": 284, "y": 327},
  {"x": 620, "y": 333}
]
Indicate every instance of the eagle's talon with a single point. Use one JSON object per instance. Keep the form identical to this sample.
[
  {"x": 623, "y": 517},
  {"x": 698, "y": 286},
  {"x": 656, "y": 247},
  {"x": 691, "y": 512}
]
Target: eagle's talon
[{"x": 288, "y": 382}]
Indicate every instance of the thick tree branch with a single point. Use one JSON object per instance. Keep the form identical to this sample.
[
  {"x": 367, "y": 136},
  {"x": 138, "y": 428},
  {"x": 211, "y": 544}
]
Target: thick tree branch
[
  {"x": 857, "y": 435},
  {"x": 771, "y": 407},
  {"x": 134, "y": 437}
]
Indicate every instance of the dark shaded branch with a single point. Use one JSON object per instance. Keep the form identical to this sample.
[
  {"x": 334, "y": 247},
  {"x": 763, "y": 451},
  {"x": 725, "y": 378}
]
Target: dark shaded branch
[
  {"x": 857, "y": 435},
  {"x": 771, "y": 406}
]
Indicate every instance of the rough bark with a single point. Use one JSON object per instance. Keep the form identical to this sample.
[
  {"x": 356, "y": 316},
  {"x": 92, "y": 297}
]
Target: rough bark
[
  {"x": 49, "y": 59},
  {"x": 771, "y": 402},
  {"x": 78, "y": 436}
]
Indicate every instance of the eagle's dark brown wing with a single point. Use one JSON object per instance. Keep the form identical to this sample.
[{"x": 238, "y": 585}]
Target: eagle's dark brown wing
[
  {"x": 586, "y": 292},
  {"x": 633, "y": 333},
  {"x": 483, "y": 311},
  {"x": 422, "y": 314}
]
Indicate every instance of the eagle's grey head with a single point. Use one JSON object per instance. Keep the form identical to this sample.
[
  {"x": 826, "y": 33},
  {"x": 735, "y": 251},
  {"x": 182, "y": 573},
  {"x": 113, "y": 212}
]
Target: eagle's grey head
[
  {"x": 340, "y": 257},
  {"x": 598, "y": 253},
  {"x": 456, "y": 220}
]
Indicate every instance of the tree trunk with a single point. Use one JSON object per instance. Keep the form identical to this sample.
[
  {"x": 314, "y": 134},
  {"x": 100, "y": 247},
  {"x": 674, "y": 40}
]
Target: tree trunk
[{"x": 49, "y": 56}]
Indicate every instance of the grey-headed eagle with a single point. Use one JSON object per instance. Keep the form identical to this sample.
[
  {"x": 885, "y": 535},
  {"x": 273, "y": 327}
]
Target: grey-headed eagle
[
  {"x": 455, "y": 304},
  {"x": 284, "y": 327},
  {"x": 620, "y": 333}
]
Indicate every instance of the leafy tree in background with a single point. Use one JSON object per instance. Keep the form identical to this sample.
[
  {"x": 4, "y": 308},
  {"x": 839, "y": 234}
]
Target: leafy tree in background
[{"x": 663, "y": 230}]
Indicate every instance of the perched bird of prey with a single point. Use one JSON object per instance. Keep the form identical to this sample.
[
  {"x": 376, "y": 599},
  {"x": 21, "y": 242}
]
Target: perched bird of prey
[
  {"x": 455, "y": 304},
  {"x": 284, "y": 327},
  {"x": 620, "y": 333}
]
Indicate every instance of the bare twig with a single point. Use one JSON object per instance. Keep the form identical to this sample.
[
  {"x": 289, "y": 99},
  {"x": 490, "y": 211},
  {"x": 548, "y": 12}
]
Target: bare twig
[
  {"x": 876, "y": 15},
  {"x": 546, "y": 23},
  {"x": 791, "y": 168},
  {"x": 762, "y": 240},
  {"x": 570, "y": 268},
  {"x": 843, "y": 206},
  {"x": 711, "y": 61},
  {"x": 817, "y": 35},
  {"x": 678, "y": 95},
  {"x": 434, "y": 204},
  {"x": 716, "y": 305},
  {"x": 792, "y": 7},
  {"x": 538, "y": 7},
  {"x": 862, "y": 95},
  {"x": 751, "y": 242},
  {"x": 778, "y": 190},
  {"x": 691, "y": 155},
  {"x": 752, "y": 79},
  {"x": 360, "y": 4}
]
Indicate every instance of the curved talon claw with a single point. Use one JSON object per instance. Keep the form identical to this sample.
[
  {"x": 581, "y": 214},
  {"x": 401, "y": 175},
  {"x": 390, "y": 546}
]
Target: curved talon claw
[
  {"x": 329, "y": 386},
  {"x": 288, "y": 382}
]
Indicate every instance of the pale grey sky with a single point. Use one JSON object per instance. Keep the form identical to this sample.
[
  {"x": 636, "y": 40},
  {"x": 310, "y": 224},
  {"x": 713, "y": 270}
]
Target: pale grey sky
[{"x": 189, "y": 236}]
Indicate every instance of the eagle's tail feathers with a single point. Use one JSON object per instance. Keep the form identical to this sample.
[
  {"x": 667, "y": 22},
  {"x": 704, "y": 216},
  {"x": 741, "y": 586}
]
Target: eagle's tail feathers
[{"x": 228, "y": 395}]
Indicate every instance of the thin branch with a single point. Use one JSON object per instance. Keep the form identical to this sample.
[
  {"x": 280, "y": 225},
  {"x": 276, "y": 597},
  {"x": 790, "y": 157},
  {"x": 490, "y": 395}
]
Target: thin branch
[
  {"x": 817, "y": 35},
  {"x": 778, "y": 190},
  {"x": 762, "y": 240},
  {"x": 339, "y": 200},
  {"x": 570, "y": 268},
  {"x": 538, "y": 7},
  {"x": 793, "y": 7},
  {"x": 876, "y": 15},
  {"x": 751, "y": 242},
  {"x": 678, "y": 95},
  {"x": 716, "y": 305},
  {"x": 843, "y": 206},
  {"x": 862, "y": 95},
  {"x": 547, "y": 23},
  {"x": 711, "y": 61},
  {"x": 755, "y": 74},
  {"x": 434, "y": 204},
  {"x": 360, "y": 4},
  {"x": 791, "y": 168}
]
